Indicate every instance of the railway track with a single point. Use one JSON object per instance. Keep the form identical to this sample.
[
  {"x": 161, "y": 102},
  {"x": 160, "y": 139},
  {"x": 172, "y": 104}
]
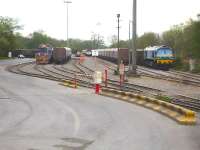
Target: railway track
[
  {"x": 187, "y": 102},
  {"x": 128, "y": 86},
  {"x": 174, "y": 76},
  {"x": 83, "y": 69},
  {"x": 60, "y": 73},
  {"x": 109, "y": 65},
  {"x": 18, "y": 70},
  {"x": 55, "y": 72},
  {"x": 170, "y": 76},
  {"x": 112, "y": 84},
  {"x": 186, "y": 75},
  {"x": 46, "y": 74}
]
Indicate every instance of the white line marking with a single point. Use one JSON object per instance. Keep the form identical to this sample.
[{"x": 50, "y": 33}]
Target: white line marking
[{"x": 76, "y": 119}]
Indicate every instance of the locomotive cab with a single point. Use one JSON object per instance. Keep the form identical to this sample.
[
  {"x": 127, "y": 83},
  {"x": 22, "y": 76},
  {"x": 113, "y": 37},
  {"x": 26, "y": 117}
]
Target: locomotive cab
[
  {"x": 43, "y": 55},
  {"x": 159, "y": 56}
]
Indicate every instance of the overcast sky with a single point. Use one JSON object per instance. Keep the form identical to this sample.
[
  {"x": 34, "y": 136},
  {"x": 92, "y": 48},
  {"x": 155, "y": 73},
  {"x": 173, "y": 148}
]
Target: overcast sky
[{"x": 98, "y": 16}]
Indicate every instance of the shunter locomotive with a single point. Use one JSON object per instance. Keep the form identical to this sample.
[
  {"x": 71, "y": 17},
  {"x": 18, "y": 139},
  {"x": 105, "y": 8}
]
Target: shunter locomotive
[{"x": 43, "y": 54}]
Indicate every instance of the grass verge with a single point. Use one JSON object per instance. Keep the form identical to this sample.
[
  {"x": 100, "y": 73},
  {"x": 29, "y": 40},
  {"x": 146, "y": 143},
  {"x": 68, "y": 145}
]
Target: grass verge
[
  {"x": 2, "y": 58},
  {"x": 163, "y": 98}
]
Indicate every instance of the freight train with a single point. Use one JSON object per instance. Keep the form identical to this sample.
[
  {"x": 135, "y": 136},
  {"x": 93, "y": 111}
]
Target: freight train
[
  {"x": 47, "y": 54},
  {"x": 156, "y": 56}
]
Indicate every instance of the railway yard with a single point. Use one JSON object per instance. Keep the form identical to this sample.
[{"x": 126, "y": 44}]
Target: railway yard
[
  {"x": 182, "y": 87},
  {"x": 99, "y": 75},
  {"x": 39, "y": 113}
]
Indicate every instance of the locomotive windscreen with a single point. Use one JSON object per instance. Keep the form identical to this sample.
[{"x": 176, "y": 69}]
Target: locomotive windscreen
[
  {"x": 44, "y": 50},
  {"x": 164, "y": 52}
]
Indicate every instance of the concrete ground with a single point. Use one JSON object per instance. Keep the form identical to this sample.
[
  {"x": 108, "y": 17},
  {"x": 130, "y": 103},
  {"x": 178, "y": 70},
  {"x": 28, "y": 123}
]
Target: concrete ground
[{"x": 38, "y": 114}]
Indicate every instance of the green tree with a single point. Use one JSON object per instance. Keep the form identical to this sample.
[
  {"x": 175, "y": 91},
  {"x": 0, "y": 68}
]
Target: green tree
[
  {"x": 7, "y": 37},
  {"x": 122, "y": 43},
  {"x": 97, "y": 41},
  {"x": 148, "y": 39},
  {"x": 75, "y": 45},
  {"x": 38, "y": 38},
  {"x": 192, "y": 39},
  {"x": 21, "y": 41},
  {"x": 174, "y": 38}
]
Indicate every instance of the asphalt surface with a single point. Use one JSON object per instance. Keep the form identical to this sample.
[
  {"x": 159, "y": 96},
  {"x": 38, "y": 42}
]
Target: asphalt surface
[{"x": 38, "y": 114}]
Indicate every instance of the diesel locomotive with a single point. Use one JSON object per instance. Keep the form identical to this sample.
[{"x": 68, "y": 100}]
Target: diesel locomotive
[
  {"x": 43, "y": 54},
  {"x": 159, "y": 57}
]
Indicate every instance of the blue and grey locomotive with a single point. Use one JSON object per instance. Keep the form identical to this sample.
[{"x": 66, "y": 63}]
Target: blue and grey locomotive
[{"x": 159, "y": 56}]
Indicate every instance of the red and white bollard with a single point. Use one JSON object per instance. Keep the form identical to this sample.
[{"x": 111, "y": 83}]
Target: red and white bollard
[
  {"x": 97, "y": 81},
  {"x": 97, "y": 88}
]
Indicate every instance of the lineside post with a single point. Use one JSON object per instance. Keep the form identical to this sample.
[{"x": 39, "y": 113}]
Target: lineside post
[
  {"x": 75, "y": 81},
  {"x": 120, "y": 81},
  {"x": 106, "y": 77},
  {"x": 121, "y": 73},
  {"x": 118, "y": 57}
]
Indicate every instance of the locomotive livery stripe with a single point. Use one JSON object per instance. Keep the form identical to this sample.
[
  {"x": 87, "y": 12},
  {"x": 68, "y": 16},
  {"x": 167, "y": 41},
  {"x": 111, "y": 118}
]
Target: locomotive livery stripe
[{"x": 164, "y": 61}]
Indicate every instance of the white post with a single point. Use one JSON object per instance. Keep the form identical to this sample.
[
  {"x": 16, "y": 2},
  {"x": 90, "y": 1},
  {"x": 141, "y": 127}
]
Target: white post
[
  {"x": 9, "y": 54},
  {"x": 192, "y": 64}
]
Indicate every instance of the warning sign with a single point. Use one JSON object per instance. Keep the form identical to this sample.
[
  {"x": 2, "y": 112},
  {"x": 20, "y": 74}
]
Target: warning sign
[
  {"x": 94, "y": 53},
  {"x": 98, "y": 77}
]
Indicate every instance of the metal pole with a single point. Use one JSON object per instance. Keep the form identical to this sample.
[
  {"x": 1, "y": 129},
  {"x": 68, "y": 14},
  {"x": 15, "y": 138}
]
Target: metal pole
[
  {"x": 129, "y": 45},
  {"x": 97, "y": 41},
  {"x": 134, "y": 29},
  {"x": 118, "y": 61},
  {"x": 67, "y": 2},
  {"x": 106, "y": 77},
  {"x": 67, "y": 23},
  {"x": 198, "y": 17}
]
